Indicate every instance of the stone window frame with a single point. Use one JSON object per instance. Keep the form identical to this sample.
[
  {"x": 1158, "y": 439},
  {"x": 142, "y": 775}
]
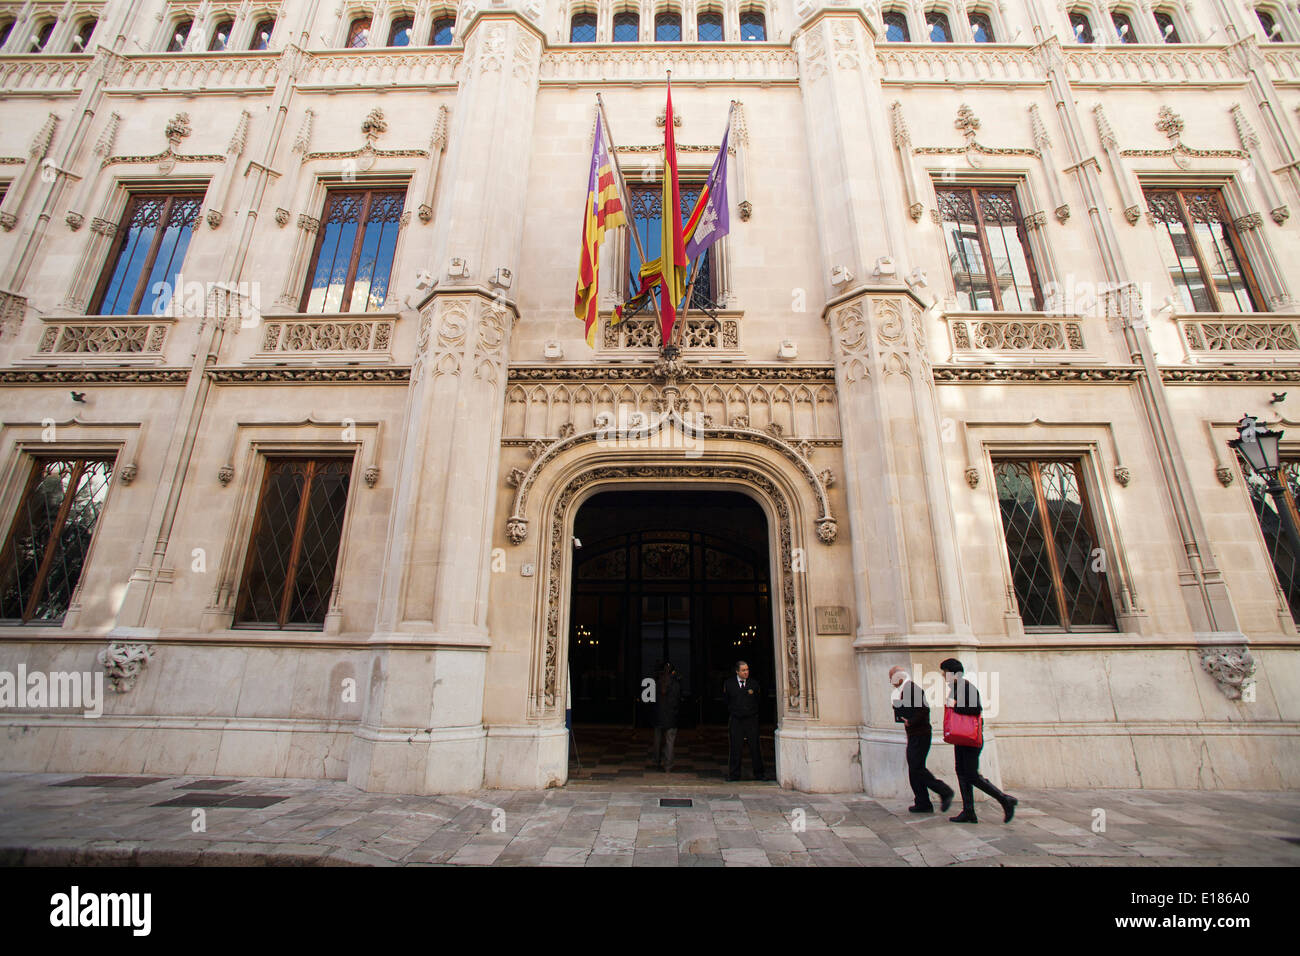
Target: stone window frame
[
  {"x": 66, "y": 21},
  {"x": 1256, "y": 247},
  {"x": 1282, "y": 16},
  {"x": 996, "y": 24},
  {"x": 949, "y": 14},
  {"x": 626, "y": 7},
  {"x": 401, "y": 12},
  {"x": 254, "y": 444},
  {"x": 1009, "y": 440},
  {"x": 1180, "y": 24},
  {"x": 583, "y": 8},
  {"x": 119, "y": 441},
  {"x": 667, "y": 8},
  {"x": 1089, "y": 13},
  {"x": 709, "y": 8},
  {"x": 898, "y": 10},
  {"x": 1032, "y": 214},
  {"x": 752, "y": 6}
]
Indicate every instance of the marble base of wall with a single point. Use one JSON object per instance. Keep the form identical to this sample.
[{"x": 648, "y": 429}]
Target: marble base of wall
[
  {"x": 526, "y": 758},
  {"x": 817, "y": 759}
]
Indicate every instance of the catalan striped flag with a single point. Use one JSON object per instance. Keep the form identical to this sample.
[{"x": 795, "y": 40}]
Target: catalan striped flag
[{"x": 604, "y": 210}]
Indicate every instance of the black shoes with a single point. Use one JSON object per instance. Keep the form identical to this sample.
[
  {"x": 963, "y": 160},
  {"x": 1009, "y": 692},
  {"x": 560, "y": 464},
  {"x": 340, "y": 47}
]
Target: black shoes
[
  {"x": 1009, "y": 808},
  {"x": 916, "y": 809},
  {"x": 945, "y": 801},
  {"x": 965, "y": 816}
]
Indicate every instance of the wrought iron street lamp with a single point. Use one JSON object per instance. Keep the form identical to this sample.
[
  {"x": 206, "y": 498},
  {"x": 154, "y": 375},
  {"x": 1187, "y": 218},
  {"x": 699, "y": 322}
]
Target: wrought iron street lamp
[{"x": 1260, "y": 446}]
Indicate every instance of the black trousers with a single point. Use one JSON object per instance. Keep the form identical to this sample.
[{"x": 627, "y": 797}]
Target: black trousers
[
  {"x": 919, "y": 775},
  {"x": 744, "y": 729},
  {"x": 968, "y": 777}
]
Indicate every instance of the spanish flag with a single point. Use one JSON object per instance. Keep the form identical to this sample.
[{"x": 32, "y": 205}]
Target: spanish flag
[
  {"x": 604, "y": 210},
  {"x": 672, "y": 246}
]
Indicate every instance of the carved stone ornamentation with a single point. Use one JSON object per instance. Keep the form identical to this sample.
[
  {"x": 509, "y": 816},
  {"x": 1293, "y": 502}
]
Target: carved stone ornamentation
[
  {"x": 1063, "y": 212},
  {"x": 281, "y": 217},
  {"x": 827, "y": 477},
  {"x": 566, "y": 429},
  {"x": 215, "y": 218},
  {"x": 739, "y": 421},
  {"x": 1123, "y": 476},
  {"x": 1224, "y": 474},
  {"x": 1132, "y": 214},
  {"x": 827, "y": 529},
  {"x": 374, "y": 125},
  {"x": 75, "y": 220},
  {"x": 536, "y": 448},
  {"x": 225, "y": 473},
  {"x": 371, "y": 475},
  {"x": 514, "y": 477},
  {"x": 1252, "y": 220},
  {"x": 1233, "y": 668},
  {"x": 127, "y": 474},
  {"x": 973, "y": 477},
  {"x": 746, "y": 210},
  {"x": 517, "y": 530},
  {"x": 123, "y": 663}
]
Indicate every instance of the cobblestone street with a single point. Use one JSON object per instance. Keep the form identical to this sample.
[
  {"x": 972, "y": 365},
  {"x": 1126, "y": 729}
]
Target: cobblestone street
[{"x": 60, "y": 819}]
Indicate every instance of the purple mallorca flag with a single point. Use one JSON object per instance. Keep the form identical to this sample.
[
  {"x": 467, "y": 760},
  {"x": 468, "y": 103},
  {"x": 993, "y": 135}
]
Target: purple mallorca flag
[{"x": 711, "y": 218}]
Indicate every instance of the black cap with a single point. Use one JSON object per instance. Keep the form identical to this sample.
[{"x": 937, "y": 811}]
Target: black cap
[{"x": 952, "y": 666}]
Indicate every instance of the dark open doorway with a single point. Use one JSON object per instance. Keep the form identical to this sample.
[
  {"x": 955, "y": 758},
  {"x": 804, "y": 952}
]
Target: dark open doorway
[{"x": 667, "y": 575}]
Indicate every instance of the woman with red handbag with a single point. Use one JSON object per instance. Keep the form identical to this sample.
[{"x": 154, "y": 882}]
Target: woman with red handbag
[{"x": 963, "y": 727}]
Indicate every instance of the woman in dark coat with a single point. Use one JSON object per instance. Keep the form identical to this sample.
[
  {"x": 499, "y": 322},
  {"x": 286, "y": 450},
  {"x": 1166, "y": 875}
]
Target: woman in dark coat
[
  {"x": 668, "y": 702},
  {"x": 966, "y": 700}
]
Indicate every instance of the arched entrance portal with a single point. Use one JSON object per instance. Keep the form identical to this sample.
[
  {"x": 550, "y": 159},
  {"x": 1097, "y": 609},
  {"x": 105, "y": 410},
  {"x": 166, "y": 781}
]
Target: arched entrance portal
[{"x": 667, "y": 575}]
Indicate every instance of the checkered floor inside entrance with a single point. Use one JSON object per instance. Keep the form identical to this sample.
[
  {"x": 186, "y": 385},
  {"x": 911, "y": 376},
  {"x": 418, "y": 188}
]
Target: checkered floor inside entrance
[{"x": 606, "y": 752}]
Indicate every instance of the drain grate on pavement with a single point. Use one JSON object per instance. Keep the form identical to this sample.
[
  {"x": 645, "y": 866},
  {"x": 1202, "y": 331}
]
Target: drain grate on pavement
[
  {"x": 102, "y": 781},
  {"x": 676, "y": 802},
  {"x": 240, "y": 801},
  {"x": 208, "y": 784}
]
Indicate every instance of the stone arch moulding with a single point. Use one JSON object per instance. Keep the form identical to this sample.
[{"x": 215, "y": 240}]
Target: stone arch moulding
[
  {"x": 635, "y": 429},
  {"x": 792, "y": 633}
]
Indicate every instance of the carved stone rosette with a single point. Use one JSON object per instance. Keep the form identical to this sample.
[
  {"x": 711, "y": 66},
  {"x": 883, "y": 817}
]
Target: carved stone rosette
[
  {"x": 123, "y": 663},
  {"x": 1233, "y": 668}
]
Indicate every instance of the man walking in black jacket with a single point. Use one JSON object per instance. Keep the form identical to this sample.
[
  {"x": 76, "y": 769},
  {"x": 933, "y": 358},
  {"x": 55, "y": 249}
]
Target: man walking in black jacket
[
  {"x": 966, "y": 700},
  {"x": 911, "y": 710},
  {"x": 743, "y": 695}
]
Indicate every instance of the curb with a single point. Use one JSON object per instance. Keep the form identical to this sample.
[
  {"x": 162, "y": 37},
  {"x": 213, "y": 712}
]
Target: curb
[{"x": 67, "y": 852}]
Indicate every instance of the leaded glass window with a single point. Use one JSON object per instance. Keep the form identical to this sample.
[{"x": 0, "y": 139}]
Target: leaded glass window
[
  {"x": 262, "y": 34},
  {"x": 399, "y": 34},
  {"x": 85, "y": 31},
  {"x": 1057, "y": 569},
  {"x": 289, "y": 571},
  {"x": 627, "y": 28},
  {"x": 1123, "y": 27},
  {"x": 582, "y": 28},
  {"x": 47, "y": 545},
  {"x": 981, "y": 28},
  {"x": 179, "y": 36},
  {"x": 442, "y": 31},
  {"x": 709, "y": 28},
  {"x": 647, "y": 218},
  {"x": 42, "y": 36},
  {"x": 1201, "y": 252},
  {"x": 753, "y": 27},
  {"x": 1081, "y": 28},
  {"x": 354, "y": 251},
  {"x": 359, "y": 33},
  {"x": 6, "y": 27},
  {"x": 1286, "y": 563},
  {"x": 221, "y": 36},
  {"x": 896, "y": 27},
  {"x": 1270, "y": 25},
  {"x": 937, "y": 24},
  {"x": 668, "y": 27},
  {"x": 147, "y": 254},
  {"x": 988, "y": 252},
  {"x": 1168, "y": 29}
]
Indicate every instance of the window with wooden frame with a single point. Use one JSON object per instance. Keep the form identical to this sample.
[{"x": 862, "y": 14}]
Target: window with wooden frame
[
  {"x": 358, "y": 33},
  {"x": 895, "y": 26},
  {"x": 399, "y": 34},
  {"x": 647, "y": 218},
  {"x": 180, "y": 36},
  {"x": 1286, "y": 563},
  {"x": 221, "y": 36},
  {"x": 1057, "y": 568},
  {"x": 294, "y": 548},
  {"x": 45, "y": 551},
  {"x": 261, "y": 39},
  {"x": 988, "y": 249},
  {"x": 353, "y": 259},
  {"x": 1201, "y": 251},
  {"x": 147, "y": 253},
  {"x": 708, "y": 27}
]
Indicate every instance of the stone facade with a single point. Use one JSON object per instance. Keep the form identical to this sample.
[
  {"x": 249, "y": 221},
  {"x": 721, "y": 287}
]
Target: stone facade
[{"x": 845, "y": 388}]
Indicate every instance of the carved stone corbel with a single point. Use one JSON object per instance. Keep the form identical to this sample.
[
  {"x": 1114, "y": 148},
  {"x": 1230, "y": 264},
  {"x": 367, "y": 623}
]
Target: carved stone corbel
[
  {"x": 123, "y": 663},
  {"x": 1232, "y": 667}
]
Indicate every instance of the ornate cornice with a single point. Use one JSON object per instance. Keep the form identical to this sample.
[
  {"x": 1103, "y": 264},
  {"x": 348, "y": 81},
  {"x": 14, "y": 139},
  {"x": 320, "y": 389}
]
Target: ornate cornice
[
  {"x": 310, "y": 376},
  {"x": 1052, "y": 374},
  {"x": 689, "y": 372},
  {"x": 1231, "y": 376},
  {"x": 99, "y": 376}
]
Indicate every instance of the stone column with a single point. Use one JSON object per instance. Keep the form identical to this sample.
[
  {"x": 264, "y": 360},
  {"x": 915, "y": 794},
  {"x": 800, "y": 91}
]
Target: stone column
[
  {"x": 422, "y": 730},
  {"x": 909, "y": 592}
]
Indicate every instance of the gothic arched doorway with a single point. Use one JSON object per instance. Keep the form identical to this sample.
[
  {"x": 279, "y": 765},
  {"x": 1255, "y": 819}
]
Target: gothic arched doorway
[{"x": 666, "y": 575}]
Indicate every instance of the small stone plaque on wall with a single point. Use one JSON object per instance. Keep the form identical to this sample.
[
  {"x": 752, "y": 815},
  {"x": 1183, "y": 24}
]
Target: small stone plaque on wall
[{"x": 833, "y": 620}]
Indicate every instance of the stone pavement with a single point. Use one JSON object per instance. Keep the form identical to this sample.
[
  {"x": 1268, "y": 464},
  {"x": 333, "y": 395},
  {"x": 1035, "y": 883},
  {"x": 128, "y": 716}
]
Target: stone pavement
[{"x": 61, "y": 819}]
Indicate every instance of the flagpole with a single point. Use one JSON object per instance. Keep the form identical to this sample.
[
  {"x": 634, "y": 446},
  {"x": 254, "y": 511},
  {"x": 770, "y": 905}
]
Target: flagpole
[
  {"x": 695, "y": 271},
  {"x": 627, "y": 193}
]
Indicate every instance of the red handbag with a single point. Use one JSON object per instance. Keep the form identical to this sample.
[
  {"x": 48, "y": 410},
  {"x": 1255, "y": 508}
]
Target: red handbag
[{"x": 962, "y": 730}]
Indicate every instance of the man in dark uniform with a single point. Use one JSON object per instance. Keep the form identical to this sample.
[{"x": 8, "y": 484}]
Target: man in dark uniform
[
  {"x": 911, "y": 710},
  {"x": 743, "y": 695},
  {"x": 966, "y": 701}
]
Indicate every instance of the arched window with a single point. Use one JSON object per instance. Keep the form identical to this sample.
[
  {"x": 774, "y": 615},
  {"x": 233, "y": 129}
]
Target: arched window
[
  {"x": 6, "y": 28},
  {"x": 1123, "y": 27},
  {"x": 85, "y": 30},
  {"x": 221, "y": 35},
  {"x": 981, "y": 28},
  {"x": 180, "y": 33},
  {"x": 442, "y": 31},
  {"x": 668, "y": 27},
  {"x": 627, "y": 27},
  {"x": 937, "y": 25},
  {"x": 1080, "y": 27},
  {"x": 709, "y": 28},
  {"x": 582, "y": 28},
  {"x": 1168, "y": 30},
  {"x": 753, "y": 26},
  {"x": 1272, "y": 29},
  {"x": 399, "y": 34},
  {"x": 896, "y": 27},
  {"x": 41, "y": 36},
  {"x": 359, "y": 33},
  {"x": 262, "y": 34}
]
